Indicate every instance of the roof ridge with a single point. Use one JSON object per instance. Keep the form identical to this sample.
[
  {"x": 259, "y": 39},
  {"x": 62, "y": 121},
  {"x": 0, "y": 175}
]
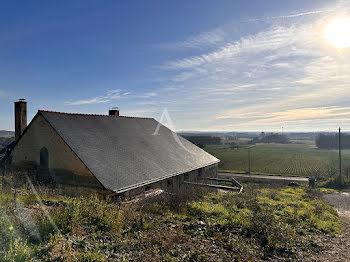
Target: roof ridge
[{"x": 82, "y": 114}]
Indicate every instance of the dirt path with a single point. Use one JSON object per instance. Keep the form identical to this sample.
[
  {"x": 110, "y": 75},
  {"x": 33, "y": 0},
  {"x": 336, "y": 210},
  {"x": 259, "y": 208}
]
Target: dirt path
[{"x": 336, "y": 248}]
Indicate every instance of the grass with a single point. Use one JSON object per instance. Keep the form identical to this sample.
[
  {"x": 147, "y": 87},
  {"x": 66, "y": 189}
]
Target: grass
[
  {"x": 190, "y": 226},
  {"x": 255, "y": 224},
  {"x": 271, "y": 221},
  {"x": 284, "y": 159},
  {"x": 291, "y": 206}
]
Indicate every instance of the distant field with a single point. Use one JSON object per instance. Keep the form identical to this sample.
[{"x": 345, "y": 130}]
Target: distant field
[
  {"x": 284, "y": 159},
  {"x": 304, "y": 141}
]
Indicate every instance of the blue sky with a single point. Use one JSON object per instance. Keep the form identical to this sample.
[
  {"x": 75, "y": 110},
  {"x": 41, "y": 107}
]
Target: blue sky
[{"x": 211, "y": 65}]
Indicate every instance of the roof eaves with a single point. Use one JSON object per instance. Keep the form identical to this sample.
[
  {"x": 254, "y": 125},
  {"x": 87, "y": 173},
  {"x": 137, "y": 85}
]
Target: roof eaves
[{"x": 151, "y": 181}]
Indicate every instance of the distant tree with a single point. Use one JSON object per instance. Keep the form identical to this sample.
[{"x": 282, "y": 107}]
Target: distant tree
[
  {"x": 330, "y": 141},
  {"x": 201, "y": 141},
  {"x": 271, "y": 138}
]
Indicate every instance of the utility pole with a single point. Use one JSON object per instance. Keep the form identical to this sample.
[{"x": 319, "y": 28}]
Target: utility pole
[{"x": 340, "y": 175}]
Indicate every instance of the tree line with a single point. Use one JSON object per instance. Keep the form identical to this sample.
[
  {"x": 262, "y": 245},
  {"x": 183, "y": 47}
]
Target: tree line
[
  {"x": 331, "y": 141},
  {"x": 271, "y": 138},
  {"x": 201, "y": 141}
]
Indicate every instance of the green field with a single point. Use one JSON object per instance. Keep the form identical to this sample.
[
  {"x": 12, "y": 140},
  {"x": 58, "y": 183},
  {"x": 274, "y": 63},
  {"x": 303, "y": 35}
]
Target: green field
[{"x": 284, "y": 159}]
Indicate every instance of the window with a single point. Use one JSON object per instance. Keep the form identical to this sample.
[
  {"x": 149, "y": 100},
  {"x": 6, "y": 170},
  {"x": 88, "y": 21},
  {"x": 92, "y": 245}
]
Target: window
[{"x": 44, "y": 157}]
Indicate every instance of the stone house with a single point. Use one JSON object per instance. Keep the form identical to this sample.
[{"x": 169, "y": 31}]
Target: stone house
[{"x": 113, "y": 154}]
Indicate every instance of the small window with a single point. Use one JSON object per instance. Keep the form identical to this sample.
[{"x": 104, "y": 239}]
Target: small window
[
  {"x": 44, "y": 157},
  {"x": 186, "y": 176},
  {"x": 170, "y": 182},
  {"x": 147, "y": 188}
]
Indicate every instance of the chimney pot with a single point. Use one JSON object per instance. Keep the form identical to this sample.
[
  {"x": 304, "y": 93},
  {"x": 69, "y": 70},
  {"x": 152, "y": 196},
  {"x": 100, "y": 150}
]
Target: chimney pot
[
  {"x": 114, "y": 111},
  {"x": 20, "y": 117}
]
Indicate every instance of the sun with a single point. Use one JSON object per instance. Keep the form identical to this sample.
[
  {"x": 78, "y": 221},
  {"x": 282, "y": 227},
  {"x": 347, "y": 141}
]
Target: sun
[{"x": 338, "y": 32}]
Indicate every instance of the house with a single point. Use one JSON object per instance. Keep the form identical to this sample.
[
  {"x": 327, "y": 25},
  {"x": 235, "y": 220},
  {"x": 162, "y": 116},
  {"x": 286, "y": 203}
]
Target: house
[{"x": 111, "y": 153}]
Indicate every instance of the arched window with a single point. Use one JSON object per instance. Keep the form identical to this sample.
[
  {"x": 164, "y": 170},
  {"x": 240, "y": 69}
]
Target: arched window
[{"x": 44, "y": 157}]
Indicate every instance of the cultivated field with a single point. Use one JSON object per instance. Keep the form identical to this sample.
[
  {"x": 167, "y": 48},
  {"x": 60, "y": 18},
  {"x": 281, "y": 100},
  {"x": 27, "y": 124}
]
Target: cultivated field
[{"x": 284, "y": 159}]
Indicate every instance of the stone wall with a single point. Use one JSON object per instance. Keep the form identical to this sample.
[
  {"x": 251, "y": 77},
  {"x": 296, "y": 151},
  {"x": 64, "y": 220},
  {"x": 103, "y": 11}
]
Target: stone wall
[{"x": 65, "y": 167}]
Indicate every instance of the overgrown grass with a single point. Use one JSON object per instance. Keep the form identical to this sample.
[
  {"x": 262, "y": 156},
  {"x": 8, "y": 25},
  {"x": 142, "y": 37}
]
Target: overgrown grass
[
  {"x": 189, "y": 226},
  {"x": 88, "y": 216},
  {"x": 273, "y": 217}
]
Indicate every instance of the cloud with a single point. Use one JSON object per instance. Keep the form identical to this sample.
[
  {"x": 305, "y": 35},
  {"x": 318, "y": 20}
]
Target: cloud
[
  {"x": 110, "y": 95},
  {"x": 147, "y": 95},
  {"x": 291, "y": 15},
  {"x": 286, "y": 73},
  {"x": 269, "y": 40},
  {"x": 96, "y": 100}
]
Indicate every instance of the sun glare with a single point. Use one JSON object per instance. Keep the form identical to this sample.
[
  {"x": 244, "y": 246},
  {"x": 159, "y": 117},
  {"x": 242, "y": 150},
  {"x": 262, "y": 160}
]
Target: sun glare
[{"x": 338, "y": 32}]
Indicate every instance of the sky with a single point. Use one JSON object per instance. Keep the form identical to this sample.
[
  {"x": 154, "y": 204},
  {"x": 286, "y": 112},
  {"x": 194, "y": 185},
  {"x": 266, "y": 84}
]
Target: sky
[{"x": 196, "y": 65}]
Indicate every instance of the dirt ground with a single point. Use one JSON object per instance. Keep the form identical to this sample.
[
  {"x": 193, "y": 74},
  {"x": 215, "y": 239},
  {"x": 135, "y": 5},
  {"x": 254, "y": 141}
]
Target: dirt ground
[{"x": 335, "y": 248}]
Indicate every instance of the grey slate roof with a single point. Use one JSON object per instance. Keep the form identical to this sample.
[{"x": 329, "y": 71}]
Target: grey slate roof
[{"x": 123, "y": 153}]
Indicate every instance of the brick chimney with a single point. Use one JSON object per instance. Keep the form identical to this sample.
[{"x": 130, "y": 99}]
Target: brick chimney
[
  {"x": 20, "y": 117},
  {"x": 114, "y": 111}
]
